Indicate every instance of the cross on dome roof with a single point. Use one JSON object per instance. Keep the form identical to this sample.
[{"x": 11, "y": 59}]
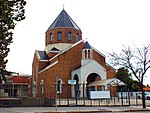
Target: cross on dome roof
[{"x": 63, "y": 21}]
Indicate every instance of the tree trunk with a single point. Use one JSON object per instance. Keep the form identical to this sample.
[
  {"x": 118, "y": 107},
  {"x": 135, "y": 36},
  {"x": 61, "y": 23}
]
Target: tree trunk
[{"x": 143, "y": 96}]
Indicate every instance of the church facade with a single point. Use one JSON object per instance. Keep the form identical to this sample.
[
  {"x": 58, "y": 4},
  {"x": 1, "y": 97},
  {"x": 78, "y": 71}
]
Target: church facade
[{"x": 67, "y": 58}]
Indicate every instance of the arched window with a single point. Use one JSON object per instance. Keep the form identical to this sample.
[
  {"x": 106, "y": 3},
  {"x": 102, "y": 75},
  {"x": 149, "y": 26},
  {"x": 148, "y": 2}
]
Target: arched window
[
  {"x": 77, "y": 37},
  {"x": 51, "y": 37},
  {"x": 59, "y": 86},
  {"x": 42, "y": 86},
  {"x": 89, "y": 54},
  {"x": 86, "y": 54},
  {"x": 69, "y": 36},
  {"x": 59, "y": 35}
]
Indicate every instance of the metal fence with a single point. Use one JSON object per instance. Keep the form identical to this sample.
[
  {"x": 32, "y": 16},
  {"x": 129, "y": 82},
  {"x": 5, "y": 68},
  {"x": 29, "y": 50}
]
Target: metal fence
[
  {"x": 114, "y": 101},
  {"x": 61, "y": 99}
]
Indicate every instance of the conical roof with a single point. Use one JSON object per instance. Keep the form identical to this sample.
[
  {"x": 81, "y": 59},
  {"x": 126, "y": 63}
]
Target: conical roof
[
  {"x": 87, "y": 45},
  {"x": 63, "y": 21}
]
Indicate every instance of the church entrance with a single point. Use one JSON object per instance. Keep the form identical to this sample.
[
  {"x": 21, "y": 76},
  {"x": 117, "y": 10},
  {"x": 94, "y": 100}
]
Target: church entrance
[
  {"x": 91, "y": 78},
  {"x": 76, "y": 88}
]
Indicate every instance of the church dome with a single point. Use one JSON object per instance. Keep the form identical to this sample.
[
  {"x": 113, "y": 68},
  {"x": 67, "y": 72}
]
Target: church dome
[
  {"x": 63, "y": 21},
  {"x": 63, "y": 32}
]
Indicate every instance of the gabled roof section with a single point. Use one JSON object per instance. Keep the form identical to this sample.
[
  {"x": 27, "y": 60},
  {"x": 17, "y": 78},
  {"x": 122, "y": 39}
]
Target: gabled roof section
[
  {"x": 20, "y": 79},
  {"x": 87, "y": 45},
  {"x": 72, "y": 47},
  {"x": 106, "y": 82},
  {"x": 98, "y": 51},
  {"x": 66, "y": 49},
  {"x": 63, "y": 21},
  {"x": 42, "y": 55},
  {"x": 55, "y": 49}
]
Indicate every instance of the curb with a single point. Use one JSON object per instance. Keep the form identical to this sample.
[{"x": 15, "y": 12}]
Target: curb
[
  {"x": 125, "y": 110},
  {"x": 100, "y": 110},
  {"x": 93, "y": 111}
]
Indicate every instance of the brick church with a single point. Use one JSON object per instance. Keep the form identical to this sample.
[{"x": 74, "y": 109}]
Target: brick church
[{"x": 67, "y": 57}]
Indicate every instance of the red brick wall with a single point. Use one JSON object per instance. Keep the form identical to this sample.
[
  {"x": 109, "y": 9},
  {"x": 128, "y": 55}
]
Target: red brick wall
[
  {"x": 43, "y": 64},
  {"x": 35, "y": 62},
  {"x": 99, "y": 58},
  {"x": 39, "y": 64},
  {"x": 53, "y": 60},
  {"x": 30, "y": 86},
  {"x": 51, "y": 54},
  {"x": 110, "y": 72},
  {"x": 64, "y": 32},
  {"x": 69, "y": 60}
]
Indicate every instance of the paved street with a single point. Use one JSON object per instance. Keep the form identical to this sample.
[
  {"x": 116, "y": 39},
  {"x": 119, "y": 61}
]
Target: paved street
[
  {"x": 136, "y": 109},
  {"x": 124, "y": 112}
]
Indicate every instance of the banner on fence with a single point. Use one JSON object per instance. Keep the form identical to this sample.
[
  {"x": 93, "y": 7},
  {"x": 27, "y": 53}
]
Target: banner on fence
[{"x": 99, "y": 94}]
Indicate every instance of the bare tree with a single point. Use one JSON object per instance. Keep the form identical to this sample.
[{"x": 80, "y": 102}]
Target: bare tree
[{"x": 137, "y": 60}]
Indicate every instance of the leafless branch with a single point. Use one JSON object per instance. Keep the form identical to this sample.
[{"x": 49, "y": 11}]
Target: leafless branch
[{"x": 137, "y": 60}]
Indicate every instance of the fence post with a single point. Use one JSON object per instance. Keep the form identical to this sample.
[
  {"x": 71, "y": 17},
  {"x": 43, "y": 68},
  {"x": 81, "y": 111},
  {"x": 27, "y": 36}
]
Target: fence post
[
  {"x": 136, "y": 100},
  {"x": 10, "y": 88},
  {"x": 83, "y": 93},
  {"x": 121, "y": 97},
  {"x": 21, "y": 90},
  {"x": 114, "y": 101},
  {"x": 91, "y": 102},
  {"x": 118, "y": 92},
  {"x": 129, "y": 96},
  {"x": 110, "y": 93},
  {"x": 126, "y": 94},
  {"x": 99, "y": 102},
  {"x": 69, "y": 95},
  {"x": 76, "y": 93}
]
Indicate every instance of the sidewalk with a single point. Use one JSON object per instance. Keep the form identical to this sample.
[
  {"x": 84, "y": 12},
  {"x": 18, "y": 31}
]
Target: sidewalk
[{"x": 71, "y": 109}]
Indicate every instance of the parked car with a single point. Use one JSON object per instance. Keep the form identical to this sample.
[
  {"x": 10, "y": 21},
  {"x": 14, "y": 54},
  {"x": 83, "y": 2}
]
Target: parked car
[{"x": 147, "y": 95}]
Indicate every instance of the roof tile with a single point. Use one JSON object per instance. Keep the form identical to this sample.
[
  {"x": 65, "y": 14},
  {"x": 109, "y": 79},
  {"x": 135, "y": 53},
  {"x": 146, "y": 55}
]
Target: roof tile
[{"x": 63, "y": 20}]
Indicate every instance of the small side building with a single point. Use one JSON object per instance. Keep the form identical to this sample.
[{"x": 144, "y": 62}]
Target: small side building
[{"x": 15, "y": 86}]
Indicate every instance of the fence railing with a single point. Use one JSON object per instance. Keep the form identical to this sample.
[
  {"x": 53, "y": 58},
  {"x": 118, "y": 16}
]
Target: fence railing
[
  {"x": 70, "y": 102},
  {"x": 9, "y": 98}
]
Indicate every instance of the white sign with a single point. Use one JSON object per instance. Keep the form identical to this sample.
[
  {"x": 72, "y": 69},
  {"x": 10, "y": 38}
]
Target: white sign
[
  {"x": 72, "y": 82},
  {"x": 99, "y": 94}
]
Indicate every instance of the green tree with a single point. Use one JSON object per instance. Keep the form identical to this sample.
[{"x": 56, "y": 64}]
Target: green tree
[
  {"x": 137, "y": 60},
  {"x": 124, "y": 75},
  {"x": 11, "y": 12},
  {"x": 136, "y": 86}
]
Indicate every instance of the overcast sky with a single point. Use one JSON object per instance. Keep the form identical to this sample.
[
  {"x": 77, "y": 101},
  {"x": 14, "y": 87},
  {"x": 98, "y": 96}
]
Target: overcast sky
[{"x": 107, "y": 25}]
